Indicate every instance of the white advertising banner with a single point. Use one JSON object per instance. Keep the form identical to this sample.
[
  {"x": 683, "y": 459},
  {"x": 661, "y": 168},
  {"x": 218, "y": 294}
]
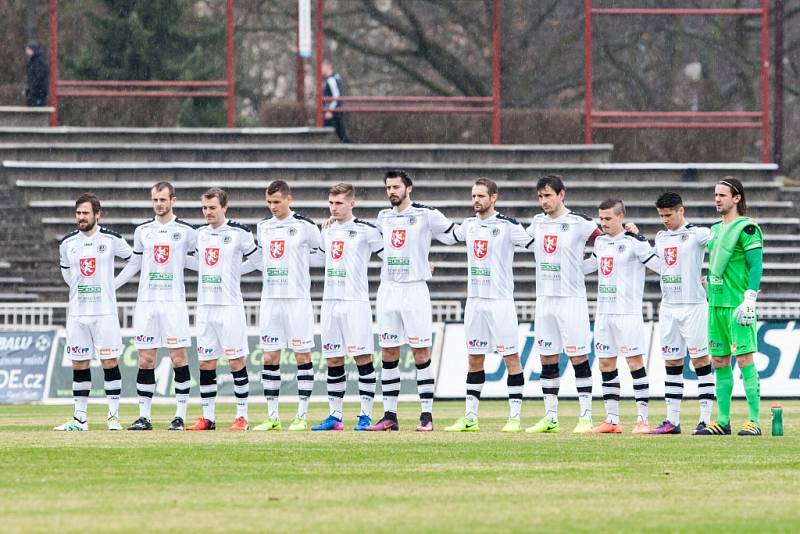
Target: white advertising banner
[{"x": 304, "y": 28}]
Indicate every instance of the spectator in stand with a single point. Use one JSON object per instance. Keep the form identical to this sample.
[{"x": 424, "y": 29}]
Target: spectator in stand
[
  {"x": 38, "y": 76},
  {"x": 334, "y": 88}
]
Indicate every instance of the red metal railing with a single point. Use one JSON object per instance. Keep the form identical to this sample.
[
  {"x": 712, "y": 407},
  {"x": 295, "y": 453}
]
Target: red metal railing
[
  {"x": 437, "y": 104},
  {"x": 763, "y": 115},
  {"x": 146, "y": 88}
]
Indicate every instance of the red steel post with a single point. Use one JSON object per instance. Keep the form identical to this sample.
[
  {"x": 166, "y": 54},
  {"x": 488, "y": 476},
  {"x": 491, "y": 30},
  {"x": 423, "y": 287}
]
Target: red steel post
[
  {"x": 496, "y": 73},
  {"x": 54, "y": 62},
  {"x": 777, "y": 109},
  {"x": 765, "y": 81},
  {"x": 587, "y": 71},
  {"x": 230, "y": 66},
  {"x": 320, "y": 51}
]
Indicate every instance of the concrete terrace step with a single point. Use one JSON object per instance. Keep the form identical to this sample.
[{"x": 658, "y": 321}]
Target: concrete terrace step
[
  {"x": 24, "y": 116},
  {"x": 250, "y": 152}
]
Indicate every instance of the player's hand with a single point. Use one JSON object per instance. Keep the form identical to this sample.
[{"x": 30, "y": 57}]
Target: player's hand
[
  {"x": 328, "y": 115},
  {"x": 630, "y": 227},
  {"x": 745, "y": 313},
  {"x": 327, "y": 224}
]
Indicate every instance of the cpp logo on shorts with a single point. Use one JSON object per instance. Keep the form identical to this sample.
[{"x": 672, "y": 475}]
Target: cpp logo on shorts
[
  {"x": 669, "y": 349},
  {"x": 329, "y": 347},
  {"x": 77, "y": 349},
  {"x": 477, "y": 344},
  {"x": 204, "y": 351},
  {"x": 269, "y": 339},
  {"x": 715, "y": 344},
  {"x": 602, "y": 347},
  {"x": 389, "y": 337},
  {"x": 145, "y": 339},
  {"x": 544, "y": 344}
]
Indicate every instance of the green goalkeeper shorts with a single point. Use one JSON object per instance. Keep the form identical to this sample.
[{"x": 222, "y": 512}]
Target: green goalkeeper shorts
[{"x": 727, "y": 337}]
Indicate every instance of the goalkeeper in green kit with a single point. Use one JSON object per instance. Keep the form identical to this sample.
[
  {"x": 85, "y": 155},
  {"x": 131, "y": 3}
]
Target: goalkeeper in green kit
[{"x": 734, "y": 274}]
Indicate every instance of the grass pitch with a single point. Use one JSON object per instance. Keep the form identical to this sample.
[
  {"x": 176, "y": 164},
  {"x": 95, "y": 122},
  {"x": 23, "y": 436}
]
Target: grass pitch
[{"x": 369, "y": 482}]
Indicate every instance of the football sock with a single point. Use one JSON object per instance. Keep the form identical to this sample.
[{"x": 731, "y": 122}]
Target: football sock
[
  {"x": 705, "y": 392},
  {"x": 611, "y": 396},
  {"x": 583, "y": 381},
  {"x": 241, "y": 390},
  {"x": 271, "y": 381},
  {"x": 673, "y": 393},
  {"x": 183, "y": 384},
  {"x": 515, "y": 383},
  {"x": 145, "y": 387},
  {"x": 208, "y": 393},
  {"x": 81, "y": 386},
  {"x": 113, "y": 385},
  {"x": 641, "y": 392},
  {"x": 550, "y": 382},
  {"x": 724, "y": 390},
  {"x": 367, "y": 381},
  {"x": 337, "y": 383},
  {"x": 752, "y": 391},
  {"x": 390, "y": 385},
  {"x": 475, "y": 381},
  {"x": 425, "y": 386},
  {"x": 305, "y": 385}
]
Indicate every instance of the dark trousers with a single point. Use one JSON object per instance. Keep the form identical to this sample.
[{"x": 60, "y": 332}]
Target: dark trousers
[{"x": 337, "y": 121}]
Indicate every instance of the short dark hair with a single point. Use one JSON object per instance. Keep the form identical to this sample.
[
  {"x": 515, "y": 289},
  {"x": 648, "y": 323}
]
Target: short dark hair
[
  {"x": 490, "y": 185},
  {"x": 343, "y": 189},
  {"x": 219, "y": 194},
  {"x": 397, "y": 173},
  {"x": 279, "y": 186},
  {"x": 92, "y": 199},
  {"x": 736, "y": 188},
  {"x": 613, "y": 203},
  {"x": 669, "y": 200},
  {"x": 555, "y": 181},
  {"x": 165, "y": 185}
]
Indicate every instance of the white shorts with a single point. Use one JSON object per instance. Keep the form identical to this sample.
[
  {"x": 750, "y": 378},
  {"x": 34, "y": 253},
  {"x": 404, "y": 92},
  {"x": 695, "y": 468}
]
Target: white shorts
[
  {"x": 286, "y": 323},
  {"x": 221, "y": 332},
  {"x": 683, "y": 327},
  {"x": 491, "y": 325},
  {"x": 161, "y": 324},
  {"x": 93, "y": 335},
  {"x": 619, "y": 335},
  {"x": 346, "y": 327},
  {"x": 404, "y": 314},
  {"x": 562, "y": 324}
]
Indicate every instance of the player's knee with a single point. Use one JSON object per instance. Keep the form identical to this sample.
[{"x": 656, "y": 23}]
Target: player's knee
[
  {"x": 512, "y": 364},
  {"x": 390, "y": 354}
]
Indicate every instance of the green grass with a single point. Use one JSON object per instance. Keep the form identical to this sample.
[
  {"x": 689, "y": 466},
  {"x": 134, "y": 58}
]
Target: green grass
[{"x": 347, "y": 481}]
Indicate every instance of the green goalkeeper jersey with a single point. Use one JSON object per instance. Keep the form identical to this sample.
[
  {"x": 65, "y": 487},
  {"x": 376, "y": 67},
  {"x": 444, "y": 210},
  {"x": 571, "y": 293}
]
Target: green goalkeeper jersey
[{"x": 727, "y": 290}]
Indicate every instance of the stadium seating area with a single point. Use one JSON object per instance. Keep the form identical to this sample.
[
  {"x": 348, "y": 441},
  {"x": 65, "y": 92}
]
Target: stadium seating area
[{"x": 46, "y": 168}]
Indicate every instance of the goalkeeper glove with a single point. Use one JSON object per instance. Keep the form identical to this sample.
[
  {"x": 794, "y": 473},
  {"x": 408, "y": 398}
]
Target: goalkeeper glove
[{"x": 745, "y": 313}]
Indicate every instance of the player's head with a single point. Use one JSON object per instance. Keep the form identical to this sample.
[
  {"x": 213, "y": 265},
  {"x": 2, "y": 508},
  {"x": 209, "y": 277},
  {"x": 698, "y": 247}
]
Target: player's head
[
  {"x": 398, "y": 187},
  {"x": 87, "y": 212},
  {"x": 612, "y": 216},
  {"x": 341, "y": 201},
  {"x": 729, "y": 194},
  {"x": 163, "y": 196},
  {"x": 327, "y": 68},
  {"x": 670, "y": 209},
  {"x": 279, "y": 199},
  {"x": 215, "y": 204},
  {"x": 550, "y": 190},
  {"x": 484, "y": 196}
]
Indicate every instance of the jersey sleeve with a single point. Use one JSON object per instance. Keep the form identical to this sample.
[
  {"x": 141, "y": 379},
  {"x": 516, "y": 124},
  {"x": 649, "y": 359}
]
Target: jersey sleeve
[
  {"x": 703, "y": 235},
  {"x": 253, "y": 261},
  {"x": 133, "y": 266},
  {"x": 644, "y": 252},
  {"x": 63, "y": 263},
  {"x": 441, "y": 227},
  {"x": 248, "y": 243},
  {"x": 751, "y": 238},
  {"x": 520, "y": 237},
  {"x": 314, "y": 240},
  {"x": 460, "y": 233},
  {"x": 588, "y": 228},
  {"x": 122, "y": 249},
  {"x": 375, "y": 239},
  {"x": 590, "y": 264}
]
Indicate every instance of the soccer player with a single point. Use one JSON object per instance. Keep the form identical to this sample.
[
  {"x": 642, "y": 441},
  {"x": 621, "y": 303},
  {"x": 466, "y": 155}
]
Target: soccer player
[
  {"x": 86, "y": 257},
  {"x": 288, "y": 242},
  {"x": 683, "y": 316},
  {"x": 346, "y": 322},
  {"x": 160, "y": 249},
  {"x": 620, "y": 258},
  {"x": 562, "y": 313},
  {"x": 221, "y": 322},
  {"x": 403, "y": 302},
  {"x": 490, "y": 319},
  {"x": 734, "y": 275}
]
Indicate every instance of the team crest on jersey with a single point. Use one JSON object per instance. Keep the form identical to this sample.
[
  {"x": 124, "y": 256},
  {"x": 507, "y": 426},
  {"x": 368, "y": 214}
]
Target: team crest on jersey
[
  {"x": 412, "y": 220},
  {"x": 226, "y": 239},
  {"x": 550, "y": 244},
  {"x": 337, "y": 250},
  {"x": 480, "y": 247},
  {"x": 495, "y": 232},
  {"x": 277, "y": 248},
  {"x": 398, "y": 239},
  {"x": 671, "y": 256},
  {"x": 292, "y": 231},
  {"x": 606, "y": 265},
  {"x": 161, "y": 254},
  {"x": 176, "y": 236},
  {"x": 101, "y": 248},
  {"x": 88, "y": 266},
  {"x": 212, "y": 256}
]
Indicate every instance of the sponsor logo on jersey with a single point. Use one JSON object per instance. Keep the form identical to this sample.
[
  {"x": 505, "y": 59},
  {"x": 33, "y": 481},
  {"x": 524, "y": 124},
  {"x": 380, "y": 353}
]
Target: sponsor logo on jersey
[
  {"x": 161, "y": 254},
  {"x": 500, "y": 348},
  {"x": 277, "y": 249},
  {"x": 607, "y": 265},
  {"x": 145, "y": 339},
  {"x": 570, "y": 349},
  {"x": 104, "y": 352},
  {"x": 669, "y": 349},
  {"x": 212, "y": 256},
  {"x": 296, "y": 342},
  {"x": 398, "y": 238},
  {"x": 172, "y": 341},
  {"x": 88, "y": 266},
  {"x": 550, "y": 244},
  {"x": 671, "y": 256},
  {"x": 477, "y": 344},
  {"x": 337, "y": 250},
  {"x": 230, "y": 352},
  {"x": 624, "y": 349},
  {"x": 415, "y": 339},
  {"x": 480, "y": 247},
  {"x": 352, "y": 348}
]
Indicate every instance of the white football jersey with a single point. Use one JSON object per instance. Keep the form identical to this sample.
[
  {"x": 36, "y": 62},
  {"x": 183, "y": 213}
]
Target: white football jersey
[
  {"x": 620, "y": 272},
  {"x": 285, "y": 249},
  {"x": 681, "y": 252},
  {"x": 87, "y": 264},
  {"x": 407, "y": 241},
  {"x": 490, "y": 254},
  {"x": 559, "y": 246},
  {"x": 219, "y": 257},
  {"x": 348, "y": 247},
  {"x": 162, "y": 251}
]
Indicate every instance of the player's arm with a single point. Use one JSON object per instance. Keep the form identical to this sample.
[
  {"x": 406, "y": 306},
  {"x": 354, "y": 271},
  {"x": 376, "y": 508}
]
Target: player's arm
[
  {"x": 316, "y": 254},
  {"x": 253, "y": 261},
  {"x": 745, "y": 313},
  {"x": 375, "y": 240},
  {"x": 63, "y": 263},
  {"x": 520, "y": 237},
  {"x": 249, "y": 245},
  {"x": 134, "y": 264},
  {"x": 442, "y": 228},
  {"x": 590, "y": 264},
  {"x": 460, "y": 232},
  {"x": 646, "y": 254}
]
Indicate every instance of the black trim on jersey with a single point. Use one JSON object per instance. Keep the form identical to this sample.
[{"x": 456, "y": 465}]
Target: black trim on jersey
[
  {"x": 638, "y": 237},
  {"x": 181, "y": 221},
  {"x": 512, "y": 220},
  {"x": 716, "y": 223},
  {"x": 254, "y": 249},
  {"x": 379, "y": 251},
  {"x": 303, "y": 218},
  {"x": 240, "y": 226},
  {"x": 361, "y": 221},
  {"x": 126, "y": 259},
  {"x": 581, "y": 215},
  {"x": 529, "y": 242},
  {"x": 452, "y": 225},
  {"x": 648, "y": 259},
  {"x": 104, "y": 230},
  {"x": 418, "y": 205},
  {"x": 690, "y": 225},
  {"x": 148, "y": 221},
  {"x": 139, "y": 253},
  {"x": 67, "y": 267},
  {"x": 72, "y": 233}
]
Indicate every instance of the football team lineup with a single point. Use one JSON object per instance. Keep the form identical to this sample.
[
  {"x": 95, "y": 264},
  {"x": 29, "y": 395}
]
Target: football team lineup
[{"x": 711, "y": 316}]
